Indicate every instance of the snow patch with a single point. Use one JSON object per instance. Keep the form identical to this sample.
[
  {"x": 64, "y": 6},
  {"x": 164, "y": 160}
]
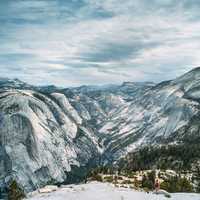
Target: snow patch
[{"x": 105, "y": 191}]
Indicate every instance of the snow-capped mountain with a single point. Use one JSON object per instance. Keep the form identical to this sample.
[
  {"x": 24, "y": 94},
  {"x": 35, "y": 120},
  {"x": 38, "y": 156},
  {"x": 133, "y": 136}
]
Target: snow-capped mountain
[{"x": 50, "y": 134}]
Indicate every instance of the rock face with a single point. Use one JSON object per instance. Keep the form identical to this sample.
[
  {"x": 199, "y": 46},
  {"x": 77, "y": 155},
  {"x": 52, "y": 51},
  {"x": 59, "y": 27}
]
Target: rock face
[
  {"x": 41, "y": 138},
  {"x": 49, "y": 133}
]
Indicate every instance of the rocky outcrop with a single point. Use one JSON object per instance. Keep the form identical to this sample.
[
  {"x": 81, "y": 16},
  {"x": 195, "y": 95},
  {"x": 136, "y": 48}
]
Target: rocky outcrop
[{"x": 40, "y": 138}]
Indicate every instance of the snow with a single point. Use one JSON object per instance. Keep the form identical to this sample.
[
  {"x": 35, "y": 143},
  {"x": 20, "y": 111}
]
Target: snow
[
  {"x": 106, "y": 128},
  {"x": 106, "y": 191},
  {"x": 194, "y": 94},
  {"x": 136, "y": 144},
  {"x": 67, "y": 107}
]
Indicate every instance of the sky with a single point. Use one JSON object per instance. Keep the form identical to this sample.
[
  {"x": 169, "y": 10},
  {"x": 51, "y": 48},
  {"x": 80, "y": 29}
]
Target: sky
[{"x": 89, "y": 42}]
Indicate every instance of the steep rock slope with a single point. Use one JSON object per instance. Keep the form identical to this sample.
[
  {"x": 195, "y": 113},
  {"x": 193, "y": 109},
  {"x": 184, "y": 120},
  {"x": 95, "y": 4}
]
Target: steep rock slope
[
  {"x": 163, "y": 114},
  {"x": 40, "y": 138}
]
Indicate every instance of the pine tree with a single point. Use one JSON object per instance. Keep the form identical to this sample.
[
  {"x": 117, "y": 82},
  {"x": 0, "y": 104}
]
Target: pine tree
[{"x": 15, "y": 192}]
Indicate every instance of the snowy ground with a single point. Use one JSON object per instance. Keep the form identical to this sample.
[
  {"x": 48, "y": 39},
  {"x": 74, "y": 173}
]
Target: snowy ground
[{"x": 105, "y": 191}]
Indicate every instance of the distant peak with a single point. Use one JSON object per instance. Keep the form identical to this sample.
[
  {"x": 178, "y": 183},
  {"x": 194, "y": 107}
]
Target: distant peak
[
  {"x": 3, "y": 79},
  {"x": 129, "y": 83},
  {"x": 190, "y": 79},
  {"x": 192, "y": 74},
  {"x": 196, "y": 69}
]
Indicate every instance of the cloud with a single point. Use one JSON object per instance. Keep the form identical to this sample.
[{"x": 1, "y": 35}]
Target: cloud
[{"x": 78, "y": 42}]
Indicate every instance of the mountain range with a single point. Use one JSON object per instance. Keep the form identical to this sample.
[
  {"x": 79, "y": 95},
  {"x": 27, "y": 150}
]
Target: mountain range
[{"x": 53, "y": 135}]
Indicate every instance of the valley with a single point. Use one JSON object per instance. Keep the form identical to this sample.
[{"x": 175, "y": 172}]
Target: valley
[{"x": 52, "y": 135}]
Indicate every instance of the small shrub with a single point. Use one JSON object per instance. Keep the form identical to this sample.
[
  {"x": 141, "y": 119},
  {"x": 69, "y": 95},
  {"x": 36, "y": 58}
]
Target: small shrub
[
  {"x": 109, "y": 179},
  {"x": 131, "y": 174},
  {"x": 146, "y": 183},
  {"x": 185, "y": 185},
  {"x": 127, "y": 182},
  {"x": 166, "y": 186},
  {"x": 198, "y": 187},
  {"x": 15, "y": 192},
  {"x": 146, "y": 189},
  {"x": 97, "y": 177},
  {"x": 167, "y": 195},
  {"x": 138, "y": 183},
  {"x": 176, "y": 184},
  {"x": 120, "y": 178},
  {"x": 148, "y": 180}
]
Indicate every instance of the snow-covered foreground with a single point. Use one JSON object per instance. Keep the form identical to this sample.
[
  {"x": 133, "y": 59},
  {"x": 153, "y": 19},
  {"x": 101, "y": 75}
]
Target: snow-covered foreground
[{"x": 105, "y": 191}]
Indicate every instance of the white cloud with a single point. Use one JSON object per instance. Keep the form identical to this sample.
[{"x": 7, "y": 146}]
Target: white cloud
[{"x": 137, "y": 41}]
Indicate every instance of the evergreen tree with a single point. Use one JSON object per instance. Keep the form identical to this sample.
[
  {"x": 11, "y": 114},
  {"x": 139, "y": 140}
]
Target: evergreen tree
[{"x": 15, "y": 192}]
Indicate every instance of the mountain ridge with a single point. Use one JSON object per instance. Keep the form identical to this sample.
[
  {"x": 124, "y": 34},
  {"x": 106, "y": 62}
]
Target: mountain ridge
[{"x": 51, "y": 134}]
